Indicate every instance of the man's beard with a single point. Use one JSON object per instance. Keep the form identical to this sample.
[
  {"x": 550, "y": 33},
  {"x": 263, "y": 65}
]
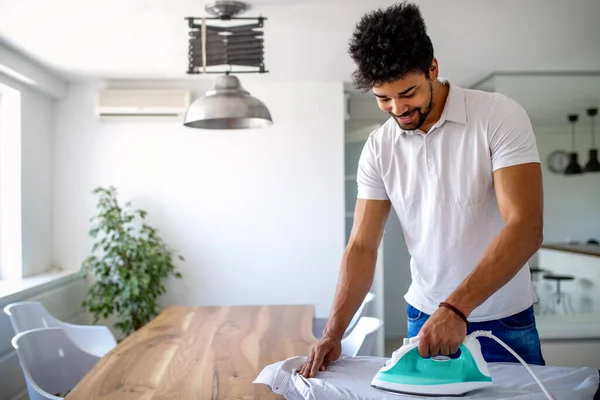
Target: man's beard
[{"x": 421, "y": 114}]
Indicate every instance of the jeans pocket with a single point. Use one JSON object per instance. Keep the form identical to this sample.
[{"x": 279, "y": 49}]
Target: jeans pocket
[
  {"x": 413, "y": 314},
  {"x": 520, "y": 321}
]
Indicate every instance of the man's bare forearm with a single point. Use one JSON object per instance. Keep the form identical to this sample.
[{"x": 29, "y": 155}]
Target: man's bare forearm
[
  {"x": 355, "y": 280},
  {"x": 505, "y": 256}
]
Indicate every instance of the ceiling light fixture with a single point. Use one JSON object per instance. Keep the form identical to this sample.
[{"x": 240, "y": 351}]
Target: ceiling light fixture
[
  {"x": 593, "y": 165},
  {"x": 573, "y": 168},
  {"x": 227, "y": 105}
]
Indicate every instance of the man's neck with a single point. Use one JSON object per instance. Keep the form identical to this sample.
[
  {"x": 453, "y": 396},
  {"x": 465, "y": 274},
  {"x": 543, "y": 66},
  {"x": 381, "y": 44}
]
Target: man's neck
[{"x": 440, "y": 94}]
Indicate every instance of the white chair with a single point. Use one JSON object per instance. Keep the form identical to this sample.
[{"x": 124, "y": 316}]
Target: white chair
[
  {"x": 51, "y": 363},
  {"x": 361, "y": 340},
  {"x": 364, "y": 308},
  {"x": 26, "y": 315}
]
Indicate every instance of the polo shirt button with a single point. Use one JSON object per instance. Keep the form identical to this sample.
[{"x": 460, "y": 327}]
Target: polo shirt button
[{"x": 430, "y": 159}]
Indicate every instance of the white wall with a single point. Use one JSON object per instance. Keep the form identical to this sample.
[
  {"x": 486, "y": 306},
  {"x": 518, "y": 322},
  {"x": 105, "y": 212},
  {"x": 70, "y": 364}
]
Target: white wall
[
  {"x": 258, "y": 215},
  {"x": 37, "y": 125},
  {"x": 571, "y": 207}
]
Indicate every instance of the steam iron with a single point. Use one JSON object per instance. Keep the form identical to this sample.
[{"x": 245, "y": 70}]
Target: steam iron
[{"x": 409, "y": 373}]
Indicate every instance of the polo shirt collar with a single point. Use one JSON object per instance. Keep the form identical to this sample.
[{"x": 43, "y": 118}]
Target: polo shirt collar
[{"x": 454, "y": 109}]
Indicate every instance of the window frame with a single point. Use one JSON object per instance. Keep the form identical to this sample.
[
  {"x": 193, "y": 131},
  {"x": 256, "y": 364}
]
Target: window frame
[{"x": 11, "y": 240}]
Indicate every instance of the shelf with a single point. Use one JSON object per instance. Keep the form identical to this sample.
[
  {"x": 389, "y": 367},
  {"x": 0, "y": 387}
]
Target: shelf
[
  {"x": 350, "y": 178},
  {"x": 350, "y": 214}
]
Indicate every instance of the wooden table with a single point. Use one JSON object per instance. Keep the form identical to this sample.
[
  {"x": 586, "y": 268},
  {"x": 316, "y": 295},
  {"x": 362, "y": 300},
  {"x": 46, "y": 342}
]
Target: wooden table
[{"x": 200, "y": 353}]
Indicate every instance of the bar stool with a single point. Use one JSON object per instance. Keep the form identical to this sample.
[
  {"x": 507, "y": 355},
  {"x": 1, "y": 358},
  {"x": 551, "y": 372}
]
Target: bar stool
[
  {"x": 559, "y": 296},
  {"x": 535, "y": 271}
]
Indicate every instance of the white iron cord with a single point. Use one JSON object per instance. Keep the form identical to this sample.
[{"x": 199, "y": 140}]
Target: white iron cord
[{"x": 489, "y": 334}]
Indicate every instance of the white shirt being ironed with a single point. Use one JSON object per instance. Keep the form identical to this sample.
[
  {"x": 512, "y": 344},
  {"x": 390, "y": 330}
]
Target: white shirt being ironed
[
  {"x": 349, "y": 378},
  {"x": 441, "y": 187}
]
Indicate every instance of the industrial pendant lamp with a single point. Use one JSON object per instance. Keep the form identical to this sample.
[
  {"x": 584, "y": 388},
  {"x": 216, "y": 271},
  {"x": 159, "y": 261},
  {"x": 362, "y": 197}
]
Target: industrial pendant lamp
[
  {"x": 593, "y": 165},
  {"x": 227, "y": 105},
  {"x": 573, "y": 167}
]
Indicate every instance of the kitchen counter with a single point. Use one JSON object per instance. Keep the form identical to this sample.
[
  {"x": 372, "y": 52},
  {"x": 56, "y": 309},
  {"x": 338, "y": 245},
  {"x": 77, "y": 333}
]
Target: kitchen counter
[
  {"x": 585, "y": 249},
  {"x": 570, "y": 340},
  {"x": 569, "y": 327},
  {"x": 584, "y": 268}
]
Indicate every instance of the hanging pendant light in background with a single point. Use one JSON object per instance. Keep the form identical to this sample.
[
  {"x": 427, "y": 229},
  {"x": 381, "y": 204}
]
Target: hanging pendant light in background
[
  {"x": 593, "y": 165},
  {"x": 573, "y": 167},
  {"x": 227, "y": 106}
]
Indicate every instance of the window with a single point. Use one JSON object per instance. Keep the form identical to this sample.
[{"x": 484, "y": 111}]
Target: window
[{"x": 10, "y": 184}]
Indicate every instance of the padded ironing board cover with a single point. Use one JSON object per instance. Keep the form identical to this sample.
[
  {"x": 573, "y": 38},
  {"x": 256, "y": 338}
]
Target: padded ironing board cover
[{"x": 350, "y": 377}]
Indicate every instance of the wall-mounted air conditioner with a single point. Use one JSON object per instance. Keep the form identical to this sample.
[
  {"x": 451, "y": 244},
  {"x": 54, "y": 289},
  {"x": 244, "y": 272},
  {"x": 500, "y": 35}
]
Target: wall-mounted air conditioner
[{"x": 142, "y": 103}]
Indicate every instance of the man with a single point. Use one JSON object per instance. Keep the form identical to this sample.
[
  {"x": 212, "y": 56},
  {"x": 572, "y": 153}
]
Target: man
[{"x": 461, "y": 169}]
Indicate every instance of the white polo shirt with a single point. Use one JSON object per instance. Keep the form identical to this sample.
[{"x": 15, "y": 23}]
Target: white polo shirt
[{"x": 441, "y": 187}]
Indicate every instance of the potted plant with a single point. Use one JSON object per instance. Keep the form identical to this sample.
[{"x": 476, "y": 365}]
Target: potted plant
[{"x": 129, "y": 262}]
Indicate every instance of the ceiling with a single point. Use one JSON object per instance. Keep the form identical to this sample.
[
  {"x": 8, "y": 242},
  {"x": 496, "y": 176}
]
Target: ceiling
[
  {"x": 304, "y": 39},
  {"x": 550, "y": 97}
]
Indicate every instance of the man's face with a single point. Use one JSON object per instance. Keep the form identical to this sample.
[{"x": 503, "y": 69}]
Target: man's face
[{"x": 409, "y": 100}]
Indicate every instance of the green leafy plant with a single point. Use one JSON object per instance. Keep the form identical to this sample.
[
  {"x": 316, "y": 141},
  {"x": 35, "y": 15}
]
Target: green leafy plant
[{"x": 129, "y": 261}]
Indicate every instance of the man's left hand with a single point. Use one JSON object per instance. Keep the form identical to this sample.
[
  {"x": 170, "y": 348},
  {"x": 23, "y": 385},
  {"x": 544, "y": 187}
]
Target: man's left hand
[{"x": 443, "y": 332}]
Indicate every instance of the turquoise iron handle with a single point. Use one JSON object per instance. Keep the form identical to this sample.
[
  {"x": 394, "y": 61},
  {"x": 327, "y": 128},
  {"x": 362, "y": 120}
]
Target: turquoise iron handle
[
  {"x": 447, "y": 359},
  {"x": 420, "y": 368}
]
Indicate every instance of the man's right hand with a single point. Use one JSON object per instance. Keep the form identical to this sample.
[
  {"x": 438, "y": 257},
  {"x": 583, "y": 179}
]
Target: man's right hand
[{"x": 324, "y": 353}]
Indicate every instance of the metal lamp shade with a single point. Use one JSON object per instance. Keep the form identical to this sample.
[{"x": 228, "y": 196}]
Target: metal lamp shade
[
  {"x": 573, "y": 168},
  {"x": 227, "y": 106},
  {"x": 593, "y": 165}
]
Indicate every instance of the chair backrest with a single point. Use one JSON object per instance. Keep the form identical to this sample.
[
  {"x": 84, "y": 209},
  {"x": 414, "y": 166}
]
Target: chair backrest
[
  {"x": 26, "y": 315},
  {"x": 361, "y": 340},
  {"x": 51, "y": 363},
  {"x": 361, "y": 312}
]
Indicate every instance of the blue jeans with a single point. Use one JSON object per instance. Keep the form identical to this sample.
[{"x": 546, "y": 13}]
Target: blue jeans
[{"x": 518, "y": 331}]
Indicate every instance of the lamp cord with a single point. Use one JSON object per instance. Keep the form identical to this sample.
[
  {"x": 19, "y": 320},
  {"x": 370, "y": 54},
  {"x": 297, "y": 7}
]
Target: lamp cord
[
  {"x": 593, "y": 134},
  {"x": 204, "y": 45}
]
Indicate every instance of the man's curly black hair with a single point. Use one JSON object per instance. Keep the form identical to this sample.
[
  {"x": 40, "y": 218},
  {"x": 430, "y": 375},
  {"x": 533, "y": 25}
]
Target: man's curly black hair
[{"x": 387, "y": 44}]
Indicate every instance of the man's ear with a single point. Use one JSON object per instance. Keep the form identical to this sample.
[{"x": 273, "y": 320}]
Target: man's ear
[{"x": 433, "y": 70}]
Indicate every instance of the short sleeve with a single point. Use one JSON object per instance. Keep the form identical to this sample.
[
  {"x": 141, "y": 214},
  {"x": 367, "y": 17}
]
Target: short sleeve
[
  {"x": 512, "y": 140},
  {"x": 368, "y": 177}
]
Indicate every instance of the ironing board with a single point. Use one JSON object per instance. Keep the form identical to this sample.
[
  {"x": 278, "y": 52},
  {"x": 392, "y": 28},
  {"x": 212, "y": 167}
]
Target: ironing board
[{"x": 350, "y": 377}]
